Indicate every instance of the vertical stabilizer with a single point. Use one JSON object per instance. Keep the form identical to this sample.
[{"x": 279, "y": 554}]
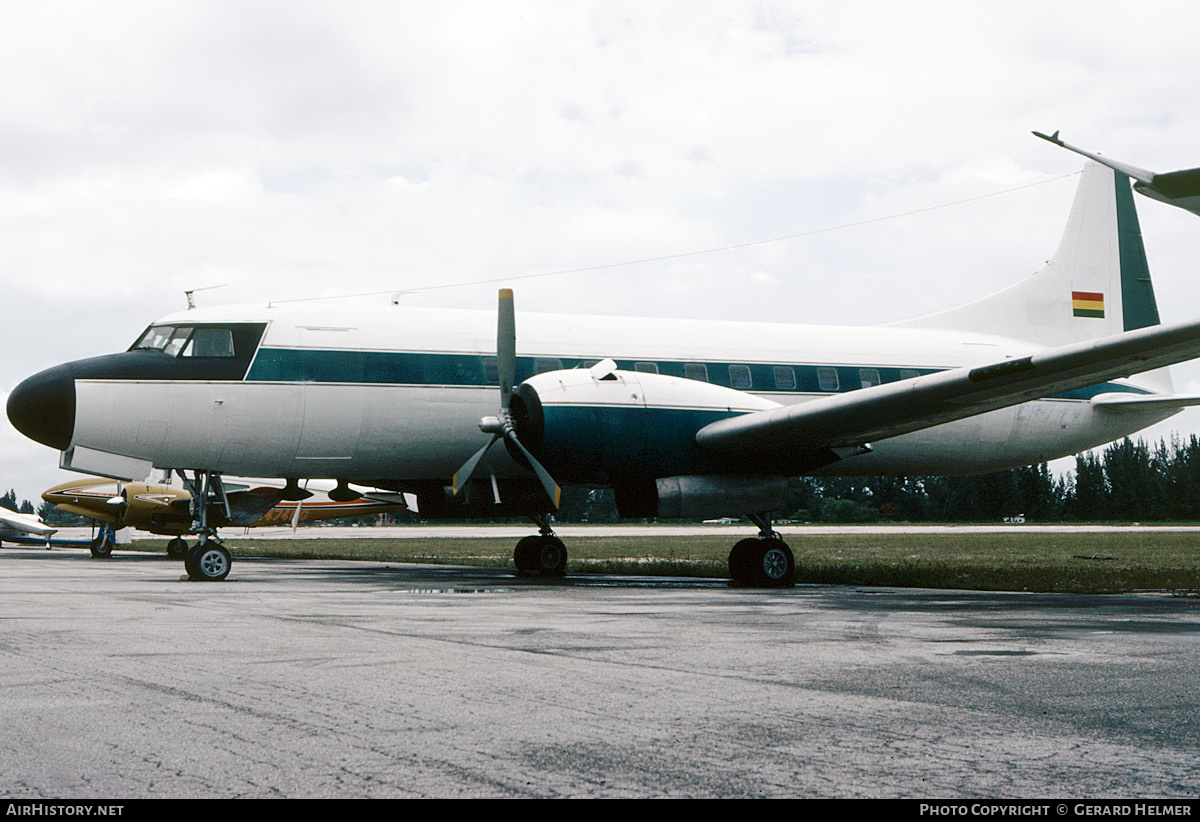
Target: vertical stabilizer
[{"x": 1096, "y": 284}]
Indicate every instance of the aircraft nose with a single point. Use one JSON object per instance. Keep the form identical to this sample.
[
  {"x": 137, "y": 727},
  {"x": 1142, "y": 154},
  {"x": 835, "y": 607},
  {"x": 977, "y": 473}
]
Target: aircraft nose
[{"x": 42, "y": 407}]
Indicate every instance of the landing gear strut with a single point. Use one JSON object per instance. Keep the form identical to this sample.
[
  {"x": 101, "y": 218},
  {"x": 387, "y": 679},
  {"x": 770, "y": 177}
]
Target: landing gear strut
[
  {"x": 541, "y": 555},
  {"x": 102, "y": 545},
  {"x": 764, "y": 561},
  {"x": 207, "y": 560}
]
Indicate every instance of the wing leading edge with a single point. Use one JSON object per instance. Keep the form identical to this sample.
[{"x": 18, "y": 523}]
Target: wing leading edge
[{"x": 870, "y": 414}]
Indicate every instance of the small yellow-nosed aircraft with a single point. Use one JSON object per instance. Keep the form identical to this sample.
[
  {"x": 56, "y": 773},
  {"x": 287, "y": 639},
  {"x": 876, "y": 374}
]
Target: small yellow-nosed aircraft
[{"x": 162, "y": 508}]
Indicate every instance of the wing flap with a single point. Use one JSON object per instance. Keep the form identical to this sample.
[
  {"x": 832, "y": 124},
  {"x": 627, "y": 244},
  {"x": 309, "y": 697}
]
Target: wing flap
[{"x": 871, "y": 414}]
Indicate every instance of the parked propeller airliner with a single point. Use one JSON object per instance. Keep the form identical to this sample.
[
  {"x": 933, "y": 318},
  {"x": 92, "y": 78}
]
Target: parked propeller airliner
[
  {"x": 681, "y": 418},
  {"x": 166, "y": 507}
]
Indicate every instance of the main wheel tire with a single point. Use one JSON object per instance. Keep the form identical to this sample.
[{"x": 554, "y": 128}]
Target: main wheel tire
[
  {"x": 208, "y": 562},
  {"x": 552, "y": 557},
  {"x": 741, "y": 561},
  {"x": 542, "y": 555},
  {"x": 525, "y": 555},
  {"x": 763, "y": 562},
  {"x": 775, "y": 565}
]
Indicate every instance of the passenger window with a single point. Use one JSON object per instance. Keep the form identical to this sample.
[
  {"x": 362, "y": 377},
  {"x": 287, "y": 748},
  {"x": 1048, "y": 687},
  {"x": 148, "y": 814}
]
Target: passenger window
[
  {"x": 909, "y": 373},
  {"x": 739, "y": 376},
  {"x": 785, "y": 378},
  {"x": 696, "y": 371},
  {"x": 544, "y": 364},
  {"x": 868, "y": 376},
  {"x": 827, "y": 378},
  {"x": 646, "y": 367},
  {"x": 491, "y": 370},
  {"x": 210, "y": 342}
]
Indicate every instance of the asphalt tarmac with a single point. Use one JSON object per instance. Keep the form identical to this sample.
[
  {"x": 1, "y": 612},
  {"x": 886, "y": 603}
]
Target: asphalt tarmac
[{"x": 346, "y": 679}]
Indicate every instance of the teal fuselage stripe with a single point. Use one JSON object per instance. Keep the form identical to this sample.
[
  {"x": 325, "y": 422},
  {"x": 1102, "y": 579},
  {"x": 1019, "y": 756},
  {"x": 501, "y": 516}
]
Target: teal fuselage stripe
[
  {"x": 1138, "y": 306},
  {"x": 314, "y": 365}
]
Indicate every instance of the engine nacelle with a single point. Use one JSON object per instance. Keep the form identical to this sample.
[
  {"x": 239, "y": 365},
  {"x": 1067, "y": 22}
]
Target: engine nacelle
[
  {"x": 608, "y": 426},
  {"x": 702, "y": 497}
]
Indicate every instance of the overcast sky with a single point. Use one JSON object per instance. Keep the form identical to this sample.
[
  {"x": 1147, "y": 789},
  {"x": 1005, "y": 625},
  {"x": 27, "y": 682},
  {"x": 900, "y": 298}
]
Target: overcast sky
[{"x": 314, "y": 149}]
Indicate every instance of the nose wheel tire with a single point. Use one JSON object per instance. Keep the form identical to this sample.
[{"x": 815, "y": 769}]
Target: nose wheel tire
[
  {"x": 208, "y": 562},
  {"x": 102, "y": 546},
  {"x": 177, "y": 548}
]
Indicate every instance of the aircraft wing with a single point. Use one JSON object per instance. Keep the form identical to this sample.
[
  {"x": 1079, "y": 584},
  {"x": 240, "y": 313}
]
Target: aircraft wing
[
  {"x": 859, "y": 417},
  {"x": 24, "y": 523}
]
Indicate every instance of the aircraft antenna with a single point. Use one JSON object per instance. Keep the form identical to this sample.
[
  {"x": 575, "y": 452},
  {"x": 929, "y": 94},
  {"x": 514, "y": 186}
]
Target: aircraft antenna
[{"x": 192, "y": 303}]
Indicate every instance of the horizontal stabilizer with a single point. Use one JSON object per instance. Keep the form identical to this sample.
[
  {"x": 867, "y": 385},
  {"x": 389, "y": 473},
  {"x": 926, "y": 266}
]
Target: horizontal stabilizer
[
  {"x": 1139, "y": 174},
  {"x": 1177, "y": 188},
  {"x": 1140, "y": 402}
]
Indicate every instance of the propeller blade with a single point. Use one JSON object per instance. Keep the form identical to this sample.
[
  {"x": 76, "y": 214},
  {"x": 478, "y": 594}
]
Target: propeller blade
[
  {"x": 548, "y": 483},
  {"x": 462, "y": 475},
  {"x": 506, "y": 346},
  {"x": 502, "y": 426}
]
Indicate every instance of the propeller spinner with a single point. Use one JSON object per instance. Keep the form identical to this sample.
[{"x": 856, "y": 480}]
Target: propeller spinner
[{"x": 502, "y": 426}]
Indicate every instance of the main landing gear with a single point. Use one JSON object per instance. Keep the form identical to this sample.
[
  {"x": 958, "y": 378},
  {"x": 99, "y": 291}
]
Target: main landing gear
[
  {"x": 207, "y": 560},
  {"x": 764, "y": 561},
  {"x": 542, "y": 555}
]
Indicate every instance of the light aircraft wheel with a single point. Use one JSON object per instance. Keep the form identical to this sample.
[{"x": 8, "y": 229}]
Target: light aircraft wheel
[
  {"x": 208, "y": 562},
  {"x": 102, "y": 546},
  {"x": 177, "y": 548}
]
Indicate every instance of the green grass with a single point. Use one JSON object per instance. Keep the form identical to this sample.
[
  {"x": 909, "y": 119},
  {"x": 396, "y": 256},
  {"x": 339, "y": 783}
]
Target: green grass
[{"x": 1083, "y": 562}]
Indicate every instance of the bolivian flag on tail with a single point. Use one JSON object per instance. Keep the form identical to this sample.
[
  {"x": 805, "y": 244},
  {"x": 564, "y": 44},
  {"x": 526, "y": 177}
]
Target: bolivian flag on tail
[{"x": 1087, "y": 304}]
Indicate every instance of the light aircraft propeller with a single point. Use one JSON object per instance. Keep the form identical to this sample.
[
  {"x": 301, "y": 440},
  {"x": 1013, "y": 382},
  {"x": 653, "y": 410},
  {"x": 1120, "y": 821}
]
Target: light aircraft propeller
[{"x": 502, "y": 425}]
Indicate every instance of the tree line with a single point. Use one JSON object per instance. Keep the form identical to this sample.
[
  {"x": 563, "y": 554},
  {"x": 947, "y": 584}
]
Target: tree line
[
  {"x": 1126, "y": 481},
  {"x": 1129, "y": 480}
]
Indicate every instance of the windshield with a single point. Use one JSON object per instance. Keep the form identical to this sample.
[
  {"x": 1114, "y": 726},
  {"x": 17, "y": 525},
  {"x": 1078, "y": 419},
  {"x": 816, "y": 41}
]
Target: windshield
[{"x": 186, "y": 341}]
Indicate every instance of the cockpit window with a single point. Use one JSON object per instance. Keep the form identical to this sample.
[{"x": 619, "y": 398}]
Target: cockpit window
[
  {"x": 177, "y": 342},
  {"x": 210, "y": 342},
  {"x": 186, "y": 341},
  {"x": 155, "y": 338}
]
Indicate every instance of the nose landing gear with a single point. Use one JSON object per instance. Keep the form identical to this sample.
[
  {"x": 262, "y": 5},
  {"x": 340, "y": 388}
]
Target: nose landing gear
[{"x": 207, "y": 560}]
